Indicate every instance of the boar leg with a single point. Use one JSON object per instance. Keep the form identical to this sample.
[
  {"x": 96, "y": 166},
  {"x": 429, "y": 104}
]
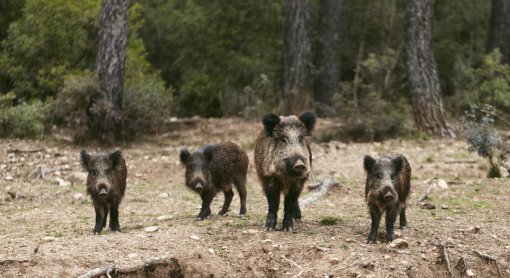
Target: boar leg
[
  {"x": 290, "y": 204},
  {"x": 403, "y": 219},
  {"x": 273, "y": 200},
  {"x": 297, "y": 212},
  {"x": 391, "y": 216},
  {"x": 375, "y": 215},
  {"x": 105, "y": 216},
  {"x": 228, "y": 199},
  {"x": 206, "y": 202},
  {"x": 99, "y": 219},
  {"x": 240, "y": 185},
  {"x": 114, "y": 218}
]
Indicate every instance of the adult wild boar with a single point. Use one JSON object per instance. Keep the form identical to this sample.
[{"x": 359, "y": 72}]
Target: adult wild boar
[
  {"x": 283, "y": 160},
  {"x": 106, "y": 184},
  {"x": 387, "y": 187},
  {"x": 215, "y": 168}
]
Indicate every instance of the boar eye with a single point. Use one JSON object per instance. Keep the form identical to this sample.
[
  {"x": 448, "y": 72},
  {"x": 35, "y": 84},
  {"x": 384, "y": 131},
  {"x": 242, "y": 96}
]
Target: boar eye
[
  {"x": 283, "y": 140},
  {"x": 107, "y": 172},
  {"x": 94, "y": 172},
  {"x": 378, "y": 175}
]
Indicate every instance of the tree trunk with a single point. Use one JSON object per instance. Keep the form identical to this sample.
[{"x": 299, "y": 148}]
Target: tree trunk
[
  {"x": 296, "y": 55},
  {"x": 423, "y": 79},
  {"x": 499, "y": 30},
  {"x": 328, "y": 54},
  {"x": 109, "y": 67}
]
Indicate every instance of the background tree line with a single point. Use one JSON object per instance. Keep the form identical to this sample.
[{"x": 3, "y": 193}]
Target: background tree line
[{"x": 351, "y": 59}]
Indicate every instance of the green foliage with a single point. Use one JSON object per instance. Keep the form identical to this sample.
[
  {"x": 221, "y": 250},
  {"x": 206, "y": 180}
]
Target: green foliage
[
  {"x": 489, "y": 84},
  {"x": 51, "y": 39},
  {"x": 330, "y": 220},
  {"x": 25, "y": 120},
  {"x": 484, "y": 138},
  {"x": 210, "y": 51}
]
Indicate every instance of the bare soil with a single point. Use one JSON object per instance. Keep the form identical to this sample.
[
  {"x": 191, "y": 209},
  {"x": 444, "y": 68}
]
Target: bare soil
[{"x": 46, "y": 228}]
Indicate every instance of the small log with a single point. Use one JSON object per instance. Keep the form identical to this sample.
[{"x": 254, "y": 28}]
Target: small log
[{"x": 320, "y": 189}]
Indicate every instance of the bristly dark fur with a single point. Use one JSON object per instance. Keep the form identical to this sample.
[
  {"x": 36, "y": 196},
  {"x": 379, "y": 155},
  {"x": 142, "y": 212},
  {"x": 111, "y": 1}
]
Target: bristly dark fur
[
  {"x": 216, "y": 168},
  {"x": 283, "y": 160},
  {"x": 106, "y": 185},
  {"x": 386, "y": 190}
]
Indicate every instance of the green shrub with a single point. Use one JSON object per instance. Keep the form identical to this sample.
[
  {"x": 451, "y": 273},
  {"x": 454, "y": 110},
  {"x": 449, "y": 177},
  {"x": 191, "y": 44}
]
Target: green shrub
[{"x": 25, "y": 120}]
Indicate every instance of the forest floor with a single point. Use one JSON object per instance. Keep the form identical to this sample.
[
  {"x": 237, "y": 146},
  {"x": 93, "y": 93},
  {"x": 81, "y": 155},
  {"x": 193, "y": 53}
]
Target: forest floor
[{"x": 46, "y": 224}]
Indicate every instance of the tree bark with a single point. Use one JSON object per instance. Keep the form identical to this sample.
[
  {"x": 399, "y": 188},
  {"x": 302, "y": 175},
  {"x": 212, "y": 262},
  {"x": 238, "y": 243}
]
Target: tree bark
[
  {"x": 328, "y": 54},
  {"x": 296, "y": 56},
  {"x": 109, "y": 66},
  {"x": 423, "y": 79},
  {"x": 499, "y": 30}
]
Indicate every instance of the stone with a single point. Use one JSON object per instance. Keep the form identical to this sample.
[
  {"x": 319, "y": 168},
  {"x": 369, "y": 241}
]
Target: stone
[
  {"x": 194, "y": 237},
  {"x": 399, "y": 243},
  {"x": 62, "y": 182},
  {"x": 406, "y": 264},
  {"x": 151, "y": 229},
  {"x": 8, "y": 178},
  {"x": 334, "y": 261},
  {"x": 164, "y": 217},
  {"x": 132, "y": 255},
  {"x": 163, "y": 195},
  {"x": 470, "y": 273},
  {"x": 442, "y": 184}
]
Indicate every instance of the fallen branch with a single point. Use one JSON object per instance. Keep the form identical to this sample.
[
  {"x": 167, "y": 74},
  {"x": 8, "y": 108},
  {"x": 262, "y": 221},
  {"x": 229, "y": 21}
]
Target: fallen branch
[
  {"x": 447, "y": 259},
  {"x": 425, "y": 195},
  {"x": 489, "y": 258},
  {"x": 347, "y": 266},
  {"x": 115, "y": 269},
  {"x": 320, "y": 189},
  {"x": 462, "y": 265},
  {"x": 460, "y": 161},
  {"x": 298, "y": 266},
  {"x": 24, "y": 151}
]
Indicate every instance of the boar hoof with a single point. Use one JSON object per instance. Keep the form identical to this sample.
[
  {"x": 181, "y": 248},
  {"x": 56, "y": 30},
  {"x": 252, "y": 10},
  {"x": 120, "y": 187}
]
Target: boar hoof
[
  {"x": 271, "y": 222},
  {"x": 287, "y": 224},
  {"x": 371, "y": 241},
  {"x": 288, "y": 229},
  {"x": 222, "y": 212},
  {"x": 242, "y": 215}
]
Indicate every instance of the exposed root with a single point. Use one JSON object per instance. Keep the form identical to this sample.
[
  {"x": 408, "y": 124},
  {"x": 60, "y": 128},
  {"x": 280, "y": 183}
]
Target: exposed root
[
  {"x": 447, "y": 259},
  {"x": 320, "y": 190},
  {"x": 294, "y": 263},
  {"x": 489, "y": 259}
]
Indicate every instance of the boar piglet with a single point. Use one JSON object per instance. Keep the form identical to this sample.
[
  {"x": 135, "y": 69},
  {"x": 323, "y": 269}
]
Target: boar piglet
[
  {"x": 215, "y": 168},
  {"x": 283, "y": 160},
  {"x": 106, "y": 184},
  {"x": 386, "y": 190}
]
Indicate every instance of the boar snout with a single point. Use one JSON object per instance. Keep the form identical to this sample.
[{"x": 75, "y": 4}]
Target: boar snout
[
  {"x": 388, "y": 194},
  {"x": 103, "y": 190},
  {"x": 295, "y": 165}
]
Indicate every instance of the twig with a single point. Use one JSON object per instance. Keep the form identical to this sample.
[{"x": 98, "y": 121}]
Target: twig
[
  {"x": 462, "y": 265},
  {"x": 320, "y": 190},
  {"x": 106, "y": 270},
  {"x": 489, "y": 258},
  {"x": 347, "y": 266},
  {"x": 298, "y": 266},
  {"x": 24, "y": 151},
  {"x": 447, "y": 259}
]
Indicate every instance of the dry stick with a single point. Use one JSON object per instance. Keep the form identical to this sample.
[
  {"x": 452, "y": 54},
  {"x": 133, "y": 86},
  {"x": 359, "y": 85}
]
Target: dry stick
[
  {"x": 24, "y": 151},
  {"x": 447, "y": 259},
  {"x": 320, "y": 190},
  {"x": 97, "y": 272},
  {"x": 489, "y": 258},
  {"x": 464, "y": 266},
  {"x": 292, "y": 262},
  {"x": 347, "y": 266}
]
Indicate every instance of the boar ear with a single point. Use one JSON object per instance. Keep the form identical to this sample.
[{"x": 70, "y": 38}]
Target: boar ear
[
  {"x": 208, "y": 153},
  {"x": 115, "y": 157},
  {"x": 309, "y": 119},
  {"x": 398, "y": 163},
  {"x": 368, "y": 163},
  {"x": 270, "y": 121},
  {"x": 85, "y": 159},
  {"x": 185, "y": 156}
]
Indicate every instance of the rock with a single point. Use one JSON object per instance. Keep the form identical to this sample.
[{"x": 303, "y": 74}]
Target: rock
[
  {"x": 164, "y": 217},
  {"x": 79, "y": 198},
  {"x": 334, "y": 260},
  {"x": 423, "y": 257},
  {"x": 8, "y": 178},
  {"x": 266, "y": 241},
  {"x": 62, "y": 182},
  {"x": 428, "y": 206},
  {"x": 473, "y": 229},
  {"x": 163, "y": 195},
  {"x": 210, "y": 250},
  {"x": 444, "y": 206},
  {"x": 470, "y": 273},
  {"x": 276, "y": 246},
  {"x": 367, "y": 264},
  {"x": 194, "y": 237},
  {"x": 48, "y": 238},
  {"x": 442, "y": 184},
  {"x": 151, "y": 229},
  {"x": 406, "y": 264},
  {"x": 250, "y": 231},
  {"x": 132, "y": 255},
  {"x": 397, "y": 234},
  {"x": 387, "y": 257},
  {"x": 399, "y": 243}
]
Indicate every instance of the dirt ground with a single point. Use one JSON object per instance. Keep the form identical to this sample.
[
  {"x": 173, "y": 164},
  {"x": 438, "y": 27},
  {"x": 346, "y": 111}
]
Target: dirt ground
[{"x": 46, "y": 225}]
